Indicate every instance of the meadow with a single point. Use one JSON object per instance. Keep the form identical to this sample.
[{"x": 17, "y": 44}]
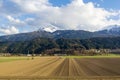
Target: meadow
[{"x": 13, "y": 58}]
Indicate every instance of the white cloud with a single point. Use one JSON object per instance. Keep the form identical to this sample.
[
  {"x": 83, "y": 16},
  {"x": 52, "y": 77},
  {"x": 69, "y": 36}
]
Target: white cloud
[
  {"x": 32, "y": 5},
  {"x": 9, "y": 30},
  {"x": 13, "y": 20},
  {"x": 29, "y": 19},
  {"x": 77, "y": 3},
  {"x": 75, "y": 15},
  {"x": 1, "y": 2}
]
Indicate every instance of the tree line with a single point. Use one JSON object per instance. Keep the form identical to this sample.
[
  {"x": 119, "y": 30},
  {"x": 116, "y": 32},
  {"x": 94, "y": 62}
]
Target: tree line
[{"x": 41, "y": 45}]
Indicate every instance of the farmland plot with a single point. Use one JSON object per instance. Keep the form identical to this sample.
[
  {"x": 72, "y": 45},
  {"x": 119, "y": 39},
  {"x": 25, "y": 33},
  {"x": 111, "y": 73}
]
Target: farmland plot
[{"x": 64, "y": 68}]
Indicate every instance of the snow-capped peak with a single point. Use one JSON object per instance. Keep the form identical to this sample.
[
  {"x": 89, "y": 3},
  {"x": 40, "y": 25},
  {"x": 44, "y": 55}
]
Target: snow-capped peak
[
  {"x": 114, "y": 28},
  {"x": 48, "y": 29}
]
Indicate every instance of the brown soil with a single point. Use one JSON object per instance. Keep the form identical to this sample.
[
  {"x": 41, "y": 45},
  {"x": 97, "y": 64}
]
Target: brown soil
[{"x": 62, "y": 67}]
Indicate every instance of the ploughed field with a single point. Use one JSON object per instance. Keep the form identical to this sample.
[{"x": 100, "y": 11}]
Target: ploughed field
[{"x": 64, "y": 68}]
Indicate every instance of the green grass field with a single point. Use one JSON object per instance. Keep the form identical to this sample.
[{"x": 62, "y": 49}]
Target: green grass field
[
  {"x": 15, "y": 58},
  {"x": 97, "y": 56},
  {"x": 8, "y": 59}
]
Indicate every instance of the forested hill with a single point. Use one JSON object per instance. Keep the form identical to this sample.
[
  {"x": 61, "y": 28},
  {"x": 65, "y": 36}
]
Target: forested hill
[{"x": 40, "y": 45}]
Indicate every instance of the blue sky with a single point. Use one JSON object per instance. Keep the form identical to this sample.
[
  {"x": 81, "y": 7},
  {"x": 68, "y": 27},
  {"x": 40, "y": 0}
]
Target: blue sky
[
  {"x": 107, "y": 4},
  {"x": 59, "y": 2},
  {"x": 19, "y": 16}
]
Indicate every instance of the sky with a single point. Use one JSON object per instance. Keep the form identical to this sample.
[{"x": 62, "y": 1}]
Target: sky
[{"x": 20, "y": 16}]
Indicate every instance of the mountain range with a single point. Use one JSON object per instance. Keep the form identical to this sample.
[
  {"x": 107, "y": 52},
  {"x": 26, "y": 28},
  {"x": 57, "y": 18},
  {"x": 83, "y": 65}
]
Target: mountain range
[
  {"x": 42, "y": 41},
  {"x": 112, "y": 31}
]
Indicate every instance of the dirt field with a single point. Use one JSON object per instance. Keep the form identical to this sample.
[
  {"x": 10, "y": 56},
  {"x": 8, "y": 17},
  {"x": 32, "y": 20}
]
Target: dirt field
[{"x": 64, "y": 68}]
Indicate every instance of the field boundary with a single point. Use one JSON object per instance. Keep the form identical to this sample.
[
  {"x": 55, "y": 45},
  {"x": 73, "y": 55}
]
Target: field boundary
[
  {"x": 93, "y": 57},
  {"x": 62, "y": 78}
]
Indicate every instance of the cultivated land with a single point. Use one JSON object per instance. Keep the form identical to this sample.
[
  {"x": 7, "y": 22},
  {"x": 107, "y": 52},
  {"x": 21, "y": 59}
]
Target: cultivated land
[{"x": 60, "y": 68}]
